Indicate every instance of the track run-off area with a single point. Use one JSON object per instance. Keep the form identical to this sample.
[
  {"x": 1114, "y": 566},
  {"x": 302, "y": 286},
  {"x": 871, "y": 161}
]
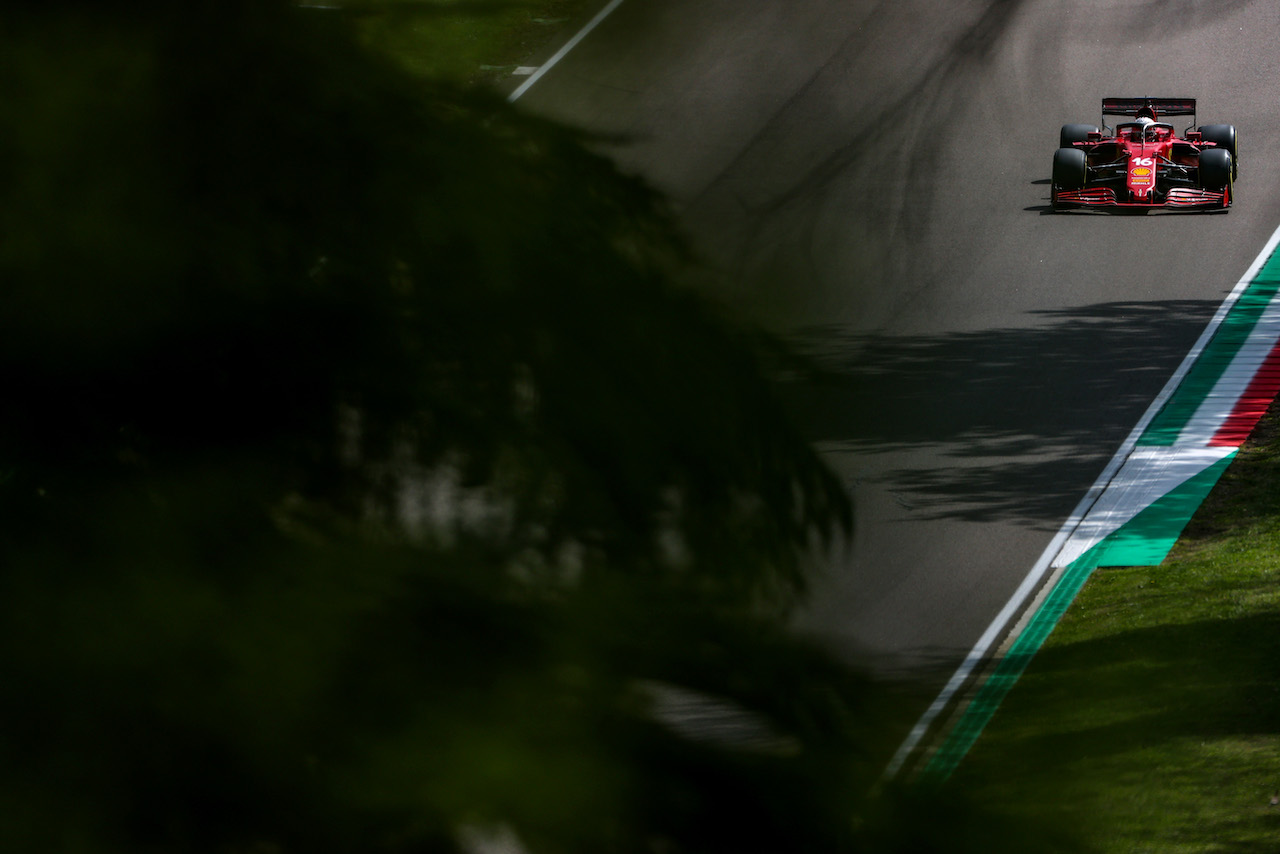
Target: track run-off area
[{"x": 1013, "y": 396}]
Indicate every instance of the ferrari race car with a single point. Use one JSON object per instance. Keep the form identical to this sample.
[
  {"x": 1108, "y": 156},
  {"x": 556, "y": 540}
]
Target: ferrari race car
[{"x": 1144, "y": 163}]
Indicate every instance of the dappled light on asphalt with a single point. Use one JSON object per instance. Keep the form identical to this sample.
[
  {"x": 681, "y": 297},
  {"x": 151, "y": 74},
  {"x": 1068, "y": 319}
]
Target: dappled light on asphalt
[{"x": 1005, "y": 408}]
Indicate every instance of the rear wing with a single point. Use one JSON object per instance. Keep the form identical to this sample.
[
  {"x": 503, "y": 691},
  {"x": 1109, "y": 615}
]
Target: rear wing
[{"x": 1157, "y": 107}]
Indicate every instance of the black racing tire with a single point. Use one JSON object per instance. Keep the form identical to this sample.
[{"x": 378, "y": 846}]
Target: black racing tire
[
  {"x": 1074, "y": 133},
  {"x": 1216, "y": 169},
  {"x": 1071, "y": 168},
  {"x": 1224, "y": 136}
]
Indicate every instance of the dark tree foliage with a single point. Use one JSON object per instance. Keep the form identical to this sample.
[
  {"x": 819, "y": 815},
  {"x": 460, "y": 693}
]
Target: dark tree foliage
[{"x": 365, "y": 481}]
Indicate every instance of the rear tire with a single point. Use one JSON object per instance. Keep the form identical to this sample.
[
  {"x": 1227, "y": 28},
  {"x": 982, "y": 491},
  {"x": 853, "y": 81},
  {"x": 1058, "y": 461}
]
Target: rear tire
[
  {"x": 1224, "y": 137},
  {"x": 1071, "y": 168},
  {"x": 1074, "y": 133}
]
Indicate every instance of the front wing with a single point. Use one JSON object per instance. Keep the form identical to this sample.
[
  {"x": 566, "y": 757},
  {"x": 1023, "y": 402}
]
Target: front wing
[{"x": 1176, "y": 197}]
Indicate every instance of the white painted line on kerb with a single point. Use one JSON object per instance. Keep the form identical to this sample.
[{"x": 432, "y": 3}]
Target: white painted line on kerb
[
  {"x": 562, "y": 52},
  {"x": 1019, "y": 599}
]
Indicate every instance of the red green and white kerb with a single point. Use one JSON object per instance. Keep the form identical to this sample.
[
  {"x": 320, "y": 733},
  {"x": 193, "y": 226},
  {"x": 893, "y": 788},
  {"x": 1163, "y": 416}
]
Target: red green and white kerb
[
  {"x": 1178, "y": 457},
  {"x": 1156, "y": 483}
]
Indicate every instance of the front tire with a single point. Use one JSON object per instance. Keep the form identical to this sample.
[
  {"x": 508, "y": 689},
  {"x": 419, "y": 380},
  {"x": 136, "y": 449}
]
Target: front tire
[
  {"x": 1071, "y": 169},
  {"x": 1217, "y": 168},
  {"x": 1224, "y": 137}
]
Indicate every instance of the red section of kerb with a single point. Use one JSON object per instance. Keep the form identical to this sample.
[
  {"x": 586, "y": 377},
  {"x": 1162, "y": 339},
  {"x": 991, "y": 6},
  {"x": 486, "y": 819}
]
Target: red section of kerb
[{"x": 1252, "y": 405}]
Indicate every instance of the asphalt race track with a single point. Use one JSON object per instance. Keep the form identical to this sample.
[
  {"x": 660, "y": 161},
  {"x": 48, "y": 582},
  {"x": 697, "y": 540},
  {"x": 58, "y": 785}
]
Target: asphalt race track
[{"x": 872, "y": 178}]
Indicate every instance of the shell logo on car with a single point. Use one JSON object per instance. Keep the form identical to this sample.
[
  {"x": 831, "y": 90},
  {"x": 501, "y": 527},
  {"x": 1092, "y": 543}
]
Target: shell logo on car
[{"x": 1142, "y": 173}]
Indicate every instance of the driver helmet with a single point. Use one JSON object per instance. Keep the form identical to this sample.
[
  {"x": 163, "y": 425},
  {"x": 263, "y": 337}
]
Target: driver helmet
[{"x": 1146, "y": 130}]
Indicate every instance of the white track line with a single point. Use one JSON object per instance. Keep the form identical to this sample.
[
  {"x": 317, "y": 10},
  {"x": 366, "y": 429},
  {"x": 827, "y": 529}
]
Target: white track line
[
  {"x": 562, "y": 52},
  {"x": 1033, "y": 578}
]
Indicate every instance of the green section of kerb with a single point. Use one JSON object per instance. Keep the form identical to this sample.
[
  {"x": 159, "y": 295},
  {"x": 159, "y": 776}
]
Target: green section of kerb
[
  {"x": 1143, "y": 541},
  {"x": 1222, "y": 348},
  {"x": 983, "y": 706}
]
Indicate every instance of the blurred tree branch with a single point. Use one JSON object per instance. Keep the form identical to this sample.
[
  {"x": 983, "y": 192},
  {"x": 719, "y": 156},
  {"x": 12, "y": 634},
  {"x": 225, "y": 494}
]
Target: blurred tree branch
[{"x": 363, "y": 463}]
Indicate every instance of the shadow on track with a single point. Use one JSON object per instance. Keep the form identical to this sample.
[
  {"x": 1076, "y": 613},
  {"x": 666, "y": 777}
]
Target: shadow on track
[{"x": 1007, "y": 409}]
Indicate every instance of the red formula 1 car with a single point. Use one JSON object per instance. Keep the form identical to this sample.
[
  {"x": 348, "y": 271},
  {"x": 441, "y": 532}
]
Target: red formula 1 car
[{"x": 1144, "y": 163}]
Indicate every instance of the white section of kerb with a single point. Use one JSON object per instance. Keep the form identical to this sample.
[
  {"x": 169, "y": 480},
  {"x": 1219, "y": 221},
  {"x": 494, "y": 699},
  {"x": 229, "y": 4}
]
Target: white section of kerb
[
  {"x": 1148, "y": 475},
  {"x": 562, "y": 52}
]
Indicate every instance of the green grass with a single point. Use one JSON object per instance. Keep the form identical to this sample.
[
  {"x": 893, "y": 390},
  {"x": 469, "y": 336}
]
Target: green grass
[
  {"x": 467, "y": 42},
  {"x": 1150, "y": 720}
]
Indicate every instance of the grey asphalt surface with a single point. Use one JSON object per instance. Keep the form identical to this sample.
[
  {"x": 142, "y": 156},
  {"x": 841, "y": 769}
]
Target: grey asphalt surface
[{"x": 871, "y": 178}]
